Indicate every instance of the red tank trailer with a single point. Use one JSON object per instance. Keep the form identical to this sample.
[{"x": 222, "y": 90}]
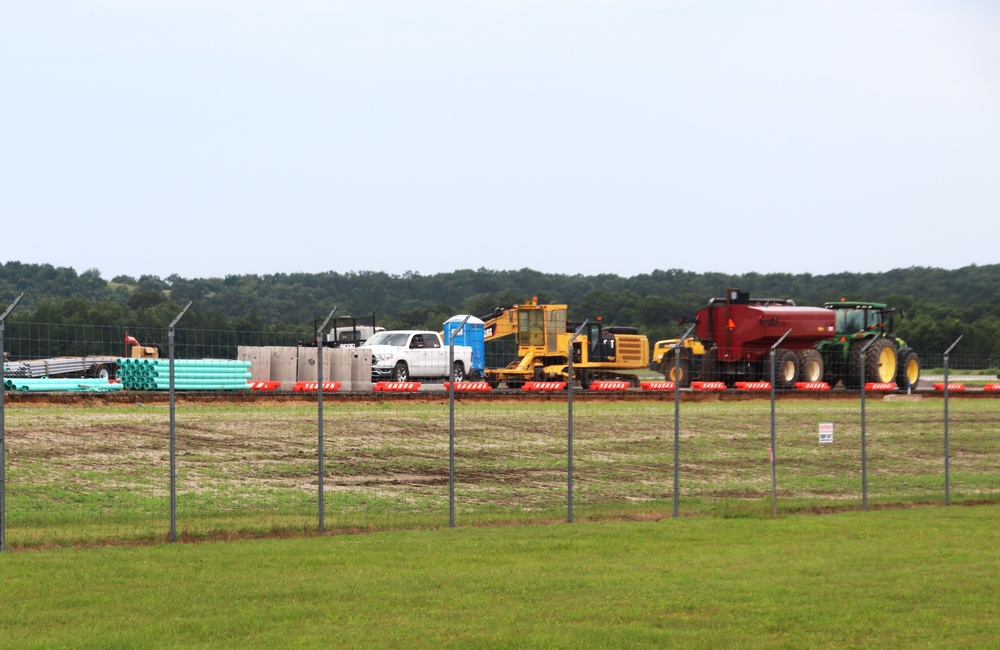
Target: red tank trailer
[{"x": 744, "y": 328}]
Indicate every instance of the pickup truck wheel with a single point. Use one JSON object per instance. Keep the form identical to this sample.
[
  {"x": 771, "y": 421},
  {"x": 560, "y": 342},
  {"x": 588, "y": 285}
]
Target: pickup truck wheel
[
  {"x": 458, "y": 371},
  {"x": 401, "y": 372}
]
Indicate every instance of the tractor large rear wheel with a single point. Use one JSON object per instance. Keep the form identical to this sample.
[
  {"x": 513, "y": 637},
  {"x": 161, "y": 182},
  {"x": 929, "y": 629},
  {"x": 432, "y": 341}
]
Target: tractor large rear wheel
[{"x": 880, "y": 363}]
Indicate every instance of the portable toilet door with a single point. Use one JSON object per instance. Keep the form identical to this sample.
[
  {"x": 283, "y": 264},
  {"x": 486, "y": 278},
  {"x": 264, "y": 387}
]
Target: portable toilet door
[{"x": 472, "y": 335}]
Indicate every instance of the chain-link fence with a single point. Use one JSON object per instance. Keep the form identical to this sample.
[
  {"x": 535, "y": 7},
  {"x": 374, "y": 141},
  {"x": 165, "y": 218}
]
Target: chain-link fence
[{"x": 93, "y": 465}]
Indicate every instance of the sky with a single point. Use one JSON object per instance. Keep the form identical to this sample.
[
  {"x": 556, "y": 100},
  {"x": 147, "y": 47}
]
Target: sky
[{"x": 206, "y": 138}]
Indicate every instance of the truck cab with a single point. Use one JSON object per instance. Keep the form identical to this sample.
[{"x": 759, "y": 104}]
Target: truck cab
[{"x": 405, "y": 355}]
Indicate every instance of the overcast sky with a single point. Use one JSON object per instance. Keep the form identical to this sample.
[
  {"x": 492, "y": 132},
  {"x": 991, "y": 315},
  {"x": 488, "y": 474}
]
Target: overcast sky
[{"x": 216, "y": 137}]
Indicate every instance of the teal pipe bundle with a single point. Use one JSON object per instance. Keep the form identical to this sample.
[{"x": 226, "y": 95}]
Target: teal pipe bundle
[
  {"x": 189, "y": 374},
  {"x": 58, "y": 384}
]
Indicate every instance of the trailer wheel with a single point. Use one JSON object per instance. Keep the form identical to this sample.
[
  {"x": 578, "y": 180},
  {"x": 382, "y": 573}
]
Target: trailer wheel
[
  {"x": 909, "y": 368},
  {"x": 710, "y": 368},
  {"x": 786, "y": 368},
  {"x": 401, "y": 372},
  {"x": 810, "y": 365},
  {"x": 676, "y": 372},
  {"x": 104, "y": 371}
]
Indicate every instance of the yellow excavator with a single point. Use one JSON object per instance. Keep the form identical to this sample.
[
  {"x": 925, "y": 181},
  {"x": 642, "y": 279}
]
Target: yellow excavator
[{"x": 541, "y": 334}]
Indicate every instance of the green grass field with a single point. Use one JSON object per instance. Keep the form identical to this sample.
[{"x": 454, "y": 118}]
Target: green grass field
[
  {"x": 907, "y": 578},
  {"x": 98, "y": 474}
]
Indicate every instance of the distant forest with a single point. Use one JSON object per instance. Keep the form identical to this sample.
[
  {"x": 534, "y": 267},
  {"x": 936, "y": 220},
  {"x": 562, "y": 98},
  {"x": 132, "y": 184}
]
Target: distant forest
[{"x": 937, "y": 305}]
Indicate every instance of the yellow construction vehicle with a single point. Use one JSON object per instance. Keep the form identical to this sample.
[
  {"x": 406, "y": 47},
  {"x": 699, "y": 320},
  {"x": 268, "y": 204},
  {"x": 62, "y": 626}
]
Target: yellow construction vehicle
[{"x": 542, "y": 335}]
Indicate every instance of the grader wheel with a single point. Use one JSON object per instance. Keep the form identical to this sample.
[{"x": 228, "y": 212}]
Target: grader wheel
[{"x": 676, "y": 372}]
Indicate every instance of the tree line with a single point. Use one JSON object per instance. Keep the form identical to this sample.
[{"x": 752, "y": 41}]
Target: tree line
[{"x": 935, "y": 305}]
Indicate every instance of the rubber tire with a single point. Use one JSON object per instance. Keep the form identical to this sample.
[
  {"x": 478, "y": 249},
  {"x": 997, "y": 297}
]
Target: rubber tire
[
  {"x": 710, "y": 367},
  {"x": 908, "y": 368},
  {"x": 786, "y": 368},
  {"x": 881, "y": 362},
  {"x": 458, "y": 371},
  {"x": 103, "y": 371},
  {"x": 671, "y": 370},
  {"x": 876, "y": 356},
  {"x": 401, "y": 372},
  {"x": 810, "y": 365},
  {"x": 586, "y": 378}
]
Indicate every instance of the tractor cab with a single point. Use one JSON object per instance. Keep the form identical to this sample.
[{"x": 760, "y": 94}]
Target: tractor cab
[{"x": 853, "y": 317}]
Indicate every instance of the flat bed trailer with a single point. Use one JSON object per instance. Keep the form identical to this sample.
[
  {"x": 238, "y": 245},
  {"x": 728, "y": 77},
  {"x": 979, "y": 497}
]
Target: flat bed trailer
[{"x": 97, "y": 367}]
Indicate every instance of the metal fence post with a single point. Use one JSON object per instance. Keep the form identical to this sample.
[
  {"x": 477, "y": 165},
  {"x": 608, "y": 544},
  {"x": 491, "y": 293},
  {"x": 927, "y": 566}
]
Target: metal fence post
[
  {"x": 173, "y": 429},
  {"x": 320, "y": 466},
  {"x": 677, "y": 420},
  {"x": 3, "y": 433},
  {"x": 451, "y": 421},
  {"x": 947, "y": 452},
  {"x": 569, "y": 423},
  {"x": 864, "y": 439},
  {"x": 774, "y": 462}
]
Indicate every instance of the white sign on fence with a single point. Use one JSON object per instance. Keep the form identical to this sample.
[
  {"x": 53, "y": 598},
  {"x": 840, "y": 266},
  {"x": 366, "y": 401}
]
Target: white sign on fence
[{"x": 826, "y": 432}]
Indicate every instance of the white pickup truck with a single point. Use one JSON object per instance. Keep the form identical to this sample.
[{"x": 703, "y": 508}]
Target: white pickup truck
[{"x": 405, "y": 355}]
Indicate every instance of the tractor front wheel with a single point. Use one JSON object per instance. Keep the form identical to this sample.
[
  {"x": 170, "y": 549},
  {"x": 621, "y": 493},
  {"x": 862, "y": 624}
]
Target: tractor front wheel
[{"x": 909, "y": 368}]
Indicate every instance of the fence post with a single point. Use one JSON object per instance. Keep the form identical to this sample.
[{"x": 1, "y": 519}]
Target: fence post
[
  {"x": 320, "y": 466},
  {"x": 569, "y": 423},
  {"x": 947, "y": 477},
  {"x": 451, "y": 421},
  {"x": 774, "y": 465},
  {"x": 173, "y": 428},
  {"x": 3, "y": 433},
  {"x": 677, "y": 420},
  {"x": 864, "y": 439}
]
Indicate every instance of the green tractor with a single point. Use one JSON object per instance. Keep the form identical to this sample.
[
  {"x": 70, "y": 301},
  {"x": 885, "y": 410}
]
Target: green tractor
[{"x": 888, "y": 359}]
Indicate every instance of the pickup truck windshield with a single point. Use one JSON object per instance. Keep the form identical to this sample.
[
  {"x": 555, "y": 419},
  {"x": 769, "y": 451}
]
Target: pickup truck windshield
[{"x": 387, "y": 338}]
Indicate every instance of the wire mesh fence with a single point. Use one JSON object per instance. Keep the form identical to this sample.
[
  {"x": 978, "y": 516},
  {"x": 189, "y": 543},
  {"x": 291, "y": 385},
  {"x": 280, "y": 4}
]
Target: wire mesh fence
[{"x": 86, "y": 467}]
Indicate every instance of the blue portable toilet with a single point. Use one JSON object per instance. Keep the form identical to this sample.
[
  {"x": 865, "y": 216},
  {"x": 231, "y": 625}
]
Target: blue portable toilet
[{"x": 472, "y": 335}]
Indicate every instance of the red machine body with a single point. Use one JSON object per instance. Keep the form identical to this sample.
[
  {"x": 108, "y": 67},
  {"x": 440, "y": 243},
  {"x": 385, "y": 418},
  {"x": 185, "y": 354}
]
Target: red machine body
[{"x": 744, "y": 329}]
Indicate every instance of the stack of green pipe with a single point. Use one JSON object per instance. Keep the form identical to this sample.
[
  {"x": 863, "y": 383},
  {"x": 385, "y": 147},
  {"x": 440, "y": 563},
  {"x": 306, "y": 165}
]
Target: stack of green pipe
[
  {"x": 50, "y": 384},
  {"x": 189, "y": 374}
]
